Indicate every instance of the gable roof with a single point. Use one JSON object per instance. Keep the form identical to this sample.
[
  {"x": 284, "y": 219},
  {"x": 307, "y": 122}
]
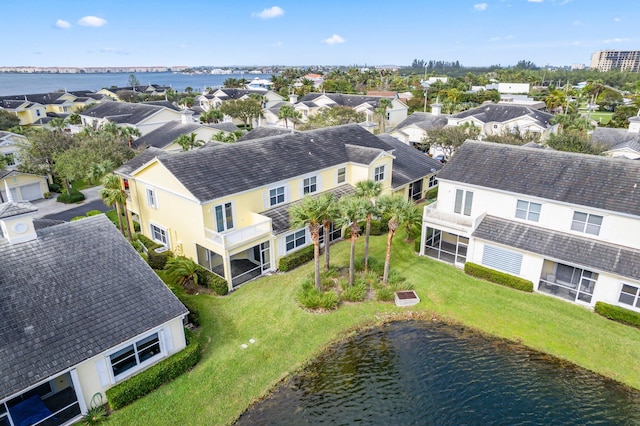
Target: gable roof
[
  {"x": 502, "y": 113},
  {"x": 347, "y": 100},
  {"x": 123, "y": 112},
  {"x": 263, "y": 132},
  {"x": 567, "y": 177},
  {"x": 410, "y": 164},
  {"x": 424, "y": 120},
  {"x": 582, "y": 251},
  {"x": 165, "y": 135},
  {"x": 615, "y": 138},
  {"x": 67, "y": 298},
  {"x": 231, "y": 168},
  {"x": 139, "y": 160}
]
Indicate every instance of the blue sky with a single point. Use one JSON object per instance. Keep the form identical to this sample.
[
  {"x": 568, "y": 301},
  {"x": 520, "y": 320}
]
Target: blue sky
[{"x": 329, "y": 32}]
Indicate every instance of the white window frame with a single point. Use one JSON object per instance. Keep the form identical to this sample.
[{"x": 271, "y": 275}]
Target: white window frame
[
  {"x": 284, "y": 195},
  {"x": 308, "y": 183},
  {"x": 161, "y": 229},
  {"x": 139, "y": 365},
  {"x": 524, "y": 210},
  {"x": 378, "y": 173},
  {"x": 466, "y": 202},
  {"x": 636, "y": 297},
  {"x": 296, "y": 236},
  {"x": 587, "y": 226},
  {"x": 225, "y": 217},
  {"x": 433, "y": 181},
  {"x": 152, "y": 197},
  {"x": 344, "y": 175}
]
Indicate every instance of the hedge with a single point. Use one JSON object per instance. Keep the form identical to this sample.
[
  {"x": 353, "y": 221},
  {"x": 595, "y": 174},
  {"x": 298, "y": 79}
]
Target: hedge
[
  {"x": 158, "y": 260},
  {"x": 296, "y": 259},
  {"x": 498, "y": 277},
  {"x": 210, "y": 280},
  {"x": 155, "y": 376},
  {"x": 432, "y": 193},
  {"x": 618, "y": 314},
  {"x": 75, "y": 197}
]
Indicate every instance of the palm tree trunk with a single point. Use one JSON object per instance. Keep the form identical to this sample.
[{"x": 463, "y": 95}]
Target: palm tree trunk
[
  {"x": 387, "y": 257},
  {"x": 315, "y": 237},
  {"x": 352, "y": 258},
  {"x": 119, "y": 219},
  {"x": 366, "y": 242},
  {"x": 327, "y": 242},
  {"x": 125, "y": 211}
]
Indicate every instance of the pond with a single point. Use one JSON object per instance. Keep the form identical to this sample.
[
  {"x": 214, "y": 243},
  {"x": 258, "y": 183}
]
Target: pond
[{"x": 420, "y": 373}]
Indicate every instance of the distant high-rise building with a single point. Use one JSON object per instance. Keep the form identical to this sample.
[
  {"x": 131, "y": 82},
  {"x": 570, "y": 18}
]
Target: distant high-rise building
[{"x": 623, "y": 60}]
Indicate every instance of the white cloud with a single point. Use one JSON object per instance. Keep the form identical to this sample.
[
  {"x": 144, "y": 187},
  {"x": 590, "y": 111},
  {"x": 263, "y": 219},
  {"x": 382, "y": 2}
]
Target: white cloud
[
  {"x": 480, "y": 7},
  {"x": 62, "y": 24},
  {"x": 616, "y": 40},
  {"x": 91, "y": 21},
  {"x": 334, "y": 39},
  {"x": 272, "y": 12}
]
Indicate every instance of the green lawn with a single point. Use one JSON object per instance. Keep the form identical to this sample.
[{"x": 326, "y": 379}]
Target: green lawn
[{"x": 228, "y": 378}]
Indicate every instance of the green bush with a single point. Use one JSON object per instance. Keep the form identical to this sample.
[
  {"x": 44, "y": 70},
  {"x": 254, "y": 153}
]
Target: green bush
[
  {"x": 296, "y": 259},
  {"x": 374, "y": 265},
  {"x": 385, "y": 294},
  {"x": 155, "y": 376},
  {"x": 311, "y": 298},
  {"x": 75, "y": 197},
  {"x": 194, "y": 313},
  {"x": 416, "y": 245},
  {"x": 618, "y": 314},
  {"x": 354, "y": 293},
  {"x": 498, "y": 277},
  {"x": 73, "y": 219},
  {"x": 395, "y": 277},
  {"x": 147, "y": 242},
  {"x": 92, "y": 213},
  {"x": 432, "y": 193},
  {"x": 210, "y": 280},
  {"x": 54, "y": 187},
  {"x": 158, "y": 260}
]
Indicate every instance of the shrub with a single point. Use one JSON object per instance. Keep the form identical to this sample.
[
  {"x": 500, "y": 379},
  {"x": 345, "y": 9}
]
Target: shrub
[
  {"x": 95, "y": 415},
  {"x": 416, "y": 245},
  {"x": 194, "y": 313},
  {"x": 210, "y": 280},
  {"x": 73, "y": 219},
  {"x": 54, "y": 187},
  {"x": 395, "y": 277},
  {"x": 374, "y": 265},
  {"x": 74, "y": 197},
  {"x": 355, "y": 293},
  {"x": 311, "y": 298},
  {"x": 296, "y": 259},
  {"x": 141, "y": 384},
  {"x": 498, "y": 277},
  {"x": 147, "y": 242},
  {"x": 92, "y": 213},
  {"x": 158, "y": 260},
  {"x": 432, "y": 193},
  {"x": 385, "y": 294},
  {"x": 616, "y": 313}
]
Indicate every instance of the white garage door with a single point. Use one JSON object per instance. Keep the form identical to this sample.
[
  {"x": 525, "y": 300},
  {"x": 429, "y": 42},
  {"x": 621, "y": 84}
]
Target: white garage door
[{"x": 31, "y": 192}]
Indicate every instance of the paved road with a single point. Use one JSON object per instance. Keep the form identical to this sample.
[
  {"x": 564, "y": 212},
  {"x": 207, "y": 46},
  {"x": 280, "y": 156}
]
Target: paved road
[{"x": 51, "y": 209}]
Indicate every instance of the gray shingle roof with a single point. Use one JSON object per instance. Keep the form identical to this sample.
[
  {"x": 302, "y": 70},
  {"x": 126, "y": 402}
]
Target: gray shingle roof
[
  {"x": 561, "y": 246},
  {"x": 581, "y": 179},
  {"x": 164, "y": 135},
  {"x": 77, "y": 290},
  {"x": 123, "y": 112},
  {"x": 263, "y": 132},
  {"x": 139, "y": 160},
  {"x": 346, "y": 100},
  {"x": 501, "y": 113},
  {"x": 280, "y": 219},
  {"x": 410, "y": 164},
  {"x": 228, "y": 169},
  {"x": 16, "y": 208},
  {"x": 615, "y": 138},
  {"x": 424, "y": 120}
]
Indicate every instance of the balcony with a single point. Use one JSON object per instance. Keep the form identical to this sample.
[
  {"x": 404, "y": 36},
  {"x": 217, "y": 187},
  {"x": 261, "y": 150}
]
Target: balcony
[
  {"x": 450, "y": 221},
  {"x": 259, "y": 227}
]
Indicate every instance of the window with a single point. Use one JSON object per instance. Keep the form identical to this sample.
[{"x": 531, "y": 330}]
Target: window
[
  {"x": 630, "y": 295},
  {"x": 342, "y": 174},
  {"x": 295, "y": 240},
  {"x": 134, "y": 354},
  {"x": 309, "y": 185},
  {"x": 159, "y": 234},
  {"x": 276, "y": 196},
  {"x": 464, "y": 200},
  {"x": 433, "y": 181},
  {"x": 38, "y": 113},
  {"x": 586, "y": 222},
  {"x": 502, "y": 259},
  {"x": 223, "y": 217},
  {"x": 10, "y": 159},
  {"x": 528, "y": 211},
  {"x": 151, "y": 198},
  {"x": 378, "y": 174}
]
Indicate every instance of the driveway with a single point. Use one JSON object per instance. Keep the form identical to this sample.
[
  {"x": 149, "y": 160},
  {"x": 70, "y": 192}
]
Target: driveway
[{"x": 51, "y": 209}]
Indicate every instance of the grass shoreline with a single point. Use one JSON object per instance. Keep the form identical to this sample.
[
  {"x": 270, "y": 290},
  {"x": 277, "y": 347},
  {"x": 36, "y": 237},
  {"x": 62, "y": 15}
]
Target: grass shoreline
[{"x": 229, "y": 379}]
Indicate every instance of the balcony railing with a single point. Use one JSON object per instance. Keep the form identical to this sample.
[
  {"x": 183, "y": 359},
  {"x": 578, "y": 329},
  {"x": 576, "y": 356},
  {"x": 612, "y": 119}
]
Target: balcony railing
[
  {"x": 432, "y": 215},
  {"x": 259, "y": 227}
]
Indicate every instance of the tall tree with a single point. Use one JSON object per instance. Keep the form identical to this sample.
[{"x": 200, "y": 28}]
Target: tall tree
[
  {"x": 8, "y": 120},
  {"x": 212, "y": 116},
  {"x": 242, "y": 109},
  {"x": 71, "y": 165},
  {"x": 287, "y": 113},
  {"x": 309, "y": 213},
  {"x": 133, "y": 80},
  {"x": 112, "y": 193},
  {"x": 37, "y": 154},
  {"x": 328, "y": 213},
  {"x": 335, "y": 116},
  {"x": 449, "y": 139},
  {"x": 188, "y": 142},
  {"x": 368, "y": 190},
  {"x": 399, "y": 212},
  {"x": 352, "y": 209},
  {"x": 381, "y": 111}
]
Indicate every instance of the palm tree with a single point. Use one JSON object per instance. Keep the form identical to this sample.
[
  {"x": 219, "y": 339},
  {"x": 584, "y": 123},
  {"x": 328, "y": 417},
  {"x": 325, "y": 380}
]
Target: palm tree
[
  {"x": 399, "y": 212},
  {"x": 328, "y": 213},
  {"x": 287, "y": 112},
  {"x": 189, "y": 141},
  {"x": 183, "y": 270},
  {"x": 212, "y": 116},
  {"x": 369, "y": 190},
  {"x": 381, "y": 110},
  {"x": 97, "y": 170},
  {"x": 352, "y": 209},
  {"x": 309, "y": 212},
  {"x": 113, "y": 194}
]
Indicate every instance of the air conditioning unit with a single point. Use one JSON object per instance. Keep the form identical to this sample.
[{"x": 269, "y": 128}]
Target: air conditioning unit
[{"x": 161, "y": 249}]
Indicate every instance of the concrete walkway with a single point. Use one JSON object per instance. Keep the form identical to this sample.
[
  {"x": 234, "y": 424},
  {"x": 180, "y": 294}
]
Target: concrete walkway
[{"x": 51, "y": 209}]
